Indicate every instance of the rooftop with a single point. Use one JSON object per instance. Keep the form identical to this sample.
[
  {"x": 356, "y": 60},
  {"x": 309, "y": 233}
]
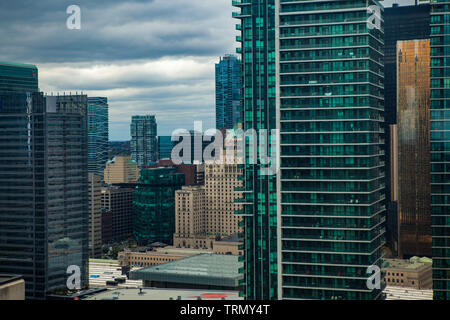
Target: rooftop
[
  {"x": 22, "y": 65},
  {"x": 232, "y": 238},
  {"x": 404, "y": 264},
  {"x": 202, "y": 269},
  {"x": 163, "y": 294},
  {"x": 399, "y": 293},
  {"x": 7, "y": 278}
]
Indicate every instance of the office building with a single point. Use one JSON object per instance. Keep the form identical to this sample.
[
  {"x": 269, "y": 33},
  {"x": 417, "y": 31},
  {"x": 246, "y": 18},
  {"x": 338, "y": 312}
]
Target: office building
[
  {"x": 154, "y": 257},
  {"x": 43, "y": 187},
  {"x": 228, "y": 92},
  {"x": 154, "y": 205},
  {"x": 327, "y": 203},
  {"x": 121, "y": 169},
  {"x": 107, "y": 226},
  {"x": 165, "y": 145},
  {"x": 440, "y": 148},
  {"x": 117, "y": 205},
  {"x": 144, "y": 144},
  {"x": 95, "y": 215},
  {"x": 202, "y": 271},
  {"x": 16, "y": 77},
  {"x": 204, "y": 214},
  {"x": 409, "y": 274},
  {"x": 410, "y": 184},
  {"x": 400, "y": 23},
  {"x": 191, "y": 219},
  {"x": 98, "y": 132}
]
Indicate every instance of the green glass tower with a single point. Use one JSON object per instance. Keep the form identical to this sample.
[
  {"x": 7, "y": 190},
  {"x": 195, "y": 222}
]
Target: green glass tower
[
  {"x": 259, "y": 112},
  {"x": 16, "y": 77},
  {"x": 440, "y": 147},
  {"x": 154, "y": 205},
  {"x": 314, "y": 70}
]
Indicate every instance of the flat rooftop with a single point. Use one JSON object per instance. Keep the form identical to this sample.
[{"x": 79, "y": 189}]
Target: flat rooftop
[
  {"x": 14, "y": 64},
  {"x": 7, "y": 278},
  {"x": 399, "y": 293},
  {"x": 164, "y": 294},
  {"x": 202, "y": 269},
  {"x": 404, "y": 264}
]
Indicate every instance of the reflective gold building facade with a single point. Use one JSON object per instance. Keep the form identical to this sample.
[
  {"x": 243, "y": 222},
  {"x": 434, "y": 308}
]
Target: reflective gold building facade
[{"x": 412, "y": 189}]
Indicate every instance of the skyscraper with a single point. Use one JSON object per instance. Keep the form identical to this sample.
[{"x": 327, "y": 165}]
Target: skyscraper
[
  {"x": 440, "y": 147},
  {"x": 15, "y": 77},
  {"x": 43, "y": 186},
  {"x": 400, "y": 23},
  {"x": 165, "y": 145},
  {"x": 314, "y": 230},
  {"x": 411, "y": 184},
  {"x": 144, "y": 145},
  {"x": 228, "y": 92},
  {"x": 98, "y": 132},
  {"x": 259, "y": 102},
  {"x": 154, "y": 205}
]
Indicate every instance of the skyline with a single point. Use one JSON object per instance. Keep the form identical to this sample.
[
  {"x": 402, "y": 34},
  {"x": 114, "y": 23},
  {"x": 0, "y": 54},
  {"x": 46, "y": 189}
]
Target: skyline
[{"x": 130, "y": 52}]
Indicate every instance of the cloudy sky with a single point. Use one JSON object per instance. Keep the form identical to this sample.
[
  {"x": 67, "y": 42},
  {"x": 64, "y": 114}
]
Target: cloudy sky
[{"x": 146, "y": 56}]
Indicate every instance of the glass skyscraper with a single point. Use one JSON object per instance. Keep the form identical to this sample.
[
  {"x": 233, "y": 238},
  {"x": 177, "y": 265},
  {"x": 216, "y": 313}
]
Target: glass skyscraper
[
  {"x": 228, "y": 92},
  {"x": 43, "y": 184},
  {"x": 144, "y": 143},
  {"x": 165, "y": 146},
  {"x": 400, "y": 23},
  {"x": 440, "y": 146},
  {"x": 314, "y": 70},
  {"x": 411, "y": 148},
  {"x": 154, "y": 205},
  {"x": 98, "y": 132}
]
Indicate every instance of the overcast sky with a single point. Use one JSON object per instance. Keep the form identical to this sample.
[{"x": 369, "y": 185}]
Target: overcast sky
[{"x": 146, "y": 56}]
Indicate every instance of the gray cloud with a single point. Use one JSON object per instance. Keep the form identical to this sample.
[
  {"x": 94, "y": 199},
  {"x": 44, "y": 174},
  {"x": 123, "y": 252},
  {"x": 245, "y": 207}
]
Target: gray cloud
[{"x": 147, "y": 56}]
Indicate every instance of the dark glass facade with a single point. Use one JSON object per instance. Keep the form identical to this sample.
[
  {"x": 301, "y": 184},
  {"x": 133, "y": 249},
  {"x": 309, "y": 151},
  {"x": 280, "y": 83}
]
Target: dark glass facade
[
  {"x": 400, "y": 23},
  {"x": 440, "y": 146},
  {"x": 43, "y": 189},
  {"x": 228, "y": 92},
  {"x": 154, "y": 205},
  {"x": 413, "y": 148},
  {"x": 16, "y": 77},
  {"x": 332, "y": 158},
  {"x": 98, "y": 132},
  {"x": 165, "y": 146},
  {"x": 258, "y": 49},
  {"x": 144, "y": 143},
  {"x": 312, "y": 231}
]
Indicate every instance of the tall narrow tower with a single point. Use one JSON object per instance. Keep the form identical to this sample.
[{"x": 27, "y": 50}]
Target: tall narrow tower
[
  {"x": 440, "y": 147},
  {"x": 314, "y": 70}
]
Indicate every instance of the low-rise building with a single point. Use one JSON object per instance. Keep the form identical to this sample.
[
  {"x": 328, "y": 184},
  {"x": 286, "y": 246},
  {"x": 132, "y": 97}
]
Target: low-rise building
[
  {"x": 203, "y": 271},
  {"x": 12, "y": 287},
  {"x": 147, "y": 258},
  {"x": 408, "y": 273},
  {"x": 229, "y": 245},
  {"x": 161, "y": 294}
]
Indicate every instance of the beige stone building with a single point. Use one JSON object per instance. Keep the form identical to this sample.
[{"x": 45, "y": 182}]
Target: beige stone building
[
  {"x": 95, "y": 216},
  {"x": 410, "y": 274},
  {"x": 155, "y": 257},
  {"x": 206, "y": 214},
  {"x": 12, "y": 287},
  {"x": 121, "y": 169}
]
